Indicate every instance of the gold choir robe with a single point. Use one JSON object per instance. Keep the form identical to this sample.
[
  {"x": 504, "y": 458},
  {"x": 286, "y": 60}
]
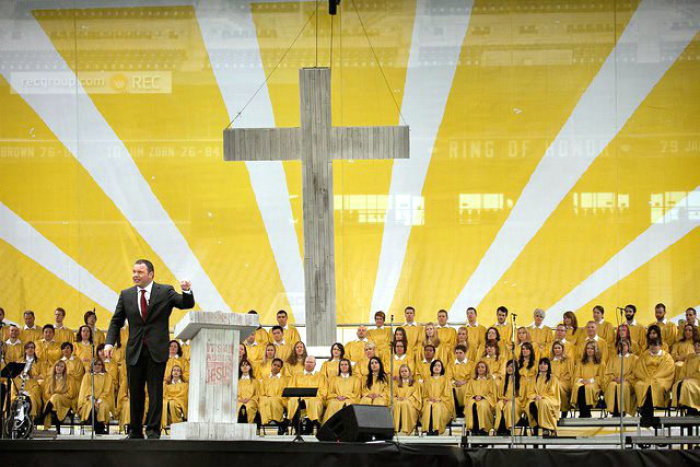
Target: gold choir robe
[
  {"x": 485, "y": 388},
  {"x": 655, "y": 372},
  {"x": 437, "y": 413},
  {"x": 255, "y": 353},
  {"x": 564, "y": 371},
  {"x": 175, "y": 402},
  {"x": 548, "y": 406},
  {"x": 330, "y": 369},
  {"x": 382, "y": 339},
  {"x": 414, "y": 335},
  {"x": 355, "y": 350},
  {"x": 612, "y": 388},
  {"x": 448, "y": 338},
  {"x": 380, "y": 388},
  {"x": 84, "y": 353},
  {"x": 587, "y": 371},
  {"x": 103, "y": 396},
  {"x": 407, "y": 404},
  {"x": 460, "y": 372},
  {"x": 248, "y": 388},
  {"x": 476, "y": 336},
  {"x": 505, "y": 401},
  {"x": 30, "y": 334},
  {"x": 599, "y": 341},
  {"x": 314, "y": 405},
  {"x": 64, "y": 334},
  {"x": 341, "y": 386},
  {"x": 13, "y": 351},
  {"x": 272, "y": 404},
  {"x": 689, "y": 393},
  {"x": 541, "y": 338},
  {"x": 62, "y": 394},
  {"x": 49, "y": 352},
  {"x": 183, "y": 363}
]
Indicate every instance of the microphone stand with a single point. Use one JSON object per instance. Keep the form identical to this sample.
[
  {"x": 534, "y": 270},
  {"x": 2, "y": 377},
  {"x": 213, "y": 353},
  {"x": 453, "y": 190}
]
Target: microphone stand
[
  {"x": 92, "y": 383},
  {"x": 512, "y": 389},
  {"x": 622, "y": 383},
  {"x": 391, "y": 365}
]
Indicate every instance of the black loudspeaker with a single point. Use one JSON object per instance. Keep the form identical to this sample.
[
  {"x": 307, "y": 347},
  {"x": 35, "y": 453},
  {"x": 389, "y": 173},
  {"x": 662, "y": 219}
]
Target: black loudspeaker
[{"x": 358, "y": 423}]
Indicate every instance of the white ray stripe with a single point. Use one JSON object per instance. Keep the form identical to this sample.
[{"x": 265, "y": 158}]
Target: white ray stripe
[
  {"x": 591, "y": 126},
  {"x": 678, "y": 317},
  {"x": 674, "y": 225},
  {"x": 105, "y": 157},
  {"x": 27, "y": 240},
  {"x": 238, "y": 69},
  {"x": 424, "y": 84}
]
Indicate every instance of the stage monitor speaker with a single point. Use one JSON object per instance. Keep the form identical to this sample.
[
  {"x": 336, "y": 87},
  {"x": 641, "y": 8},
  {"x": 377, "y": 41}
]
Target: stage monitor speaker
[{"x": 358, "y": 423}]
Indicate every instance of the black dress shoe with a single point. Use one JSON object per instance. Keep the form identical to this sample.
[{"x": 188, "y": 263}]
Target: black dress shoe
[
  {"x": 134, "y": 436},
  {"x": 152, "y": 435}
]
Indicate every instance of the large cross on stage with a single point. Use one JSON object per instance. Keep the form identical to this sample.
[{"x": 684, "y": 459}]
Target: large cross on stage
[{"x": 316, "y": 144}]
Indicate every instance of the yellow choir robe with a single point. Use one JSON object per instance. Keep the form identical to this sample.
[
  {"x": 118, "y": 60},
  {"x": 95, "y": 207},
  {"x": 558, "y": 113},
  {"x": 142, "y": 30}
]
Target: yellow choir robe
[
  {"x": 355, "y": 350},
  {"x": 548, "y": 407},
  {"x": 290, "y": 336},
  {"x": 264, "y": 369},
  {"x": 361, "y": 368},
  {"x": 505, "y": 401},
  {"x": 689, "y": 393},
  {"x": 329, "y": 369},
  {"x": 378, "y": 387},
  {"x": 32, "y": 387},
  {"x": 600, "y": 342},
  {"x": 4, "y": 331},
  {"x": 497, "y": 366},
  {"x": 404, "y": 359},
  {"x": 485, "y": 388},
  {"x": 541, "y": 338},
  {"x": 518, "y": 351},
  {"x": 248, "y": 388},
  {"x": 262, "y": 337},
  {"x": 112, "y": 369},
  {"x": 31, "y": 334},
  {"x": 99, "y": 336},
  {"x": 574, "y": 336},
  {"x": 414, "y": 335},
  {"x": 682, "y": 350},
  {"x": 122, "y": 404},
  {"x": 407, "y": 405},
  {"x": 569, "y": 350},
  {"x": 291, "y": 370},
  {"x": 422, "y": 371},
  {"x": 175, "y": 402},
  {"x": 345, "y": 386},
  {"x": 461, "y": 372},
  {"x": 84, "y": 353},
  {"x": 13, "y": 351},
  {"x": 272, "y": 404},
  {"x": 606, "y": 331},
  {"x": 64, "y": 334},
  {"x": 75, "y": 369},
  {"x": 314, "y": 405},
  {"x": 505, "y": 331},
  {"x": 255, "y": 352},
  {"x": 283, "y": 349},
  {"x": 442, "y": 352},
  {"x": 476, "y": 336},
  {"x": 381, "y": 338},
  {"x": 638, "y": 336},
  {"x": 586, "y": 371},
  {"x": 448, "y": 338},
  {"x": 564, "y": 371},
  {"x": 62, "y": 394},
  {"x": 103, "y": 396},
  {"x": 183, "y": 363},
  {"x": 441, "y": 412},
  {"x": 526, "y": 373},
  {"x": 655, "y": 372},
  {"x": 612, "y": 388},
  {"x": 668, "y": 332}
]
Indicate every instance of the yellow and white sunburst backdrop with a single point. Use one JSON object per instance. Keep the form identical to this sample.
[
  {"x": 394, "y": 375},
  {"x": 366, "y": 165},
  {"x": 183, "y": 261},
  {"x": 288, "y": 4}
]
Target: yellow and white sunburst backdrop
[{"x": 555, "y": 154}]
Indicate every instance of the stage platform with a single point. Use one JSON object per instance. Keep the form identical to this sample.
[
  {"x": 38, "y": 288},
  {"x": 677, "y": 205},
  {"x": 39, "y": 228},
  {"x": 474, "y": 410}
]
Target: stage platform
[{"x": 170, "y": 453}]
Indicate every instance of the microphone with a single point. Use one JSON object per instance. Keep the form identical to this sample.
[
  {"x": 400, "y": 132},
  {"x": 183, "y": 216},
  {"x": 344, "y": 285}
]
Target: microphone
[{"x": 514, "y": 315}]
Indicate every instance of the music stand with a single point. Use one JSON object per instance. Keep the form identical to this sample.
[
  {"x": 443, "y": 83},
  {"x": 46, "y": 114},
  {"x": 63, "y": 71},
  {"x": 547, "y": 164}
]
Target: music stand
[
  {"x": 299, "y": 393},
  {"x": 11, "y": 371}
]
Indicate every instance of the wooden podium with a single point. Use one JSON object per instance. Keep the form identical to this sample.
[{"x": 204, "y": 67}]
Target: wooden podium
[{"x": 213, "y": 384}]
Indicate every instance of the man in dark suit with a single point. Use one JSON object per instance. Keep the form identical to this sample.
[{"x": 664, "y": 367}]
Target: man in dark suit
[{"x": 147, "y": 306}]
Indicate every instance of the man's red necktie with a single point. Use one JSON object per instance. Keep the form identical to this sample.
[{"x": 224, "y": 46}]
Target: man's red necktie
[{"x": 144, "y": 305}]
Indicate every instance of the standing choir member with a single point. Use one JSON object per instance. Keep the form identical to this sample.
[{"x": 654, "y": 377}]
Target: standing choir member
[
  {"x": 573, "y": 333},
  {"x": 84, "y": 346},
  {"x": 540, "y": 333},
  {"x": 543, "y": 405},
  {"x": 380, "y": 335},
  {"x": 63, "y": 333},
  {"x": 254, "y": 350},
  {"x": 505, "y": 329},
  {"x": 407, "y": 401},
  {"x": 438, "y": 407},
  {"x": 604, "y": 328},
  {"x": 413, "y": 330},
  {"x": 476, "y": 333},
  {"x": 447, "y": 334},
  {"x": 289, "y": 332},
  {"x": 355, "y": 350},
  {"x": 480, "y": 401}
]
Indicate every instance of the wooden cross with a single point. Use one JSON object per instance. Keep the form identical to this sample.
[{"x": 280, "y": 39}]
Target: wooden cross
[{"x": 316, "y": 144}]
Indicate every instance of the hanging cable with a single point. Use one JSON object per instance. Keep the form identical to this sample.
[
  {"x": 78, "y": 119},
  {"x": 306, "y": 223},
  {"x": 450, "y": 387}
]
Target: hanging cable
[
  {"x": 376, "y": 59},
  {"x": 267, "y": 78}
]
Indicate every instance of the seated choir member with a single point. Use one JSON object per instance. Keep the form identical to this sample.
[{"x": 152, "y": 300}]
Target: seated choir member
[
  {"x": 527, "y": 361},
  {"x": 654, "y": 332},
  {"x": 176, "y": 357},
  {"x": 424, "y": 363},
  {"x": 480, "y": 401},
  {"x": 492, "y": 334},
  {"x": 362, "y": 366},
  {"x": 381, "y": 335},
  {"x": 248, "y": 393},
  {"x": 461, "y": 371},
  {"x": 47, "y": 349},
  {"x": 687, "y": 390},
  {"x": 355, "y": 350},
  {"x": 375, "y": 387},
  {"x": 540, "y": 333},
  {"x": 611, "y": 385},
  {"x": 623, "y": 333},
  {"x": 254, "y": 350},
  {"x": 13, "y": 348},
  {"x": 430, "y": 337},
  {"x": 573, "y": 332},
  {"x": 283, "y": 346},
  {"x": 492, "y": 358},
  {"x": 653, "y": 378},
  {"x": 407, "y": 401},
  {"x": 522, "y": 337},
  {"x": 330, "y": 367},
  {"x": 84, "y": 346},
  {"x": 295, "y": 362},
  {"x": 438, "y": 408},
  {"x": 74, "y": 366},
  {"x": 90, "y": 319},
  {"x": 543, "y": 405},
  {"x": 175, "y": 391},
  {"x": 400, "y": 335},
  {"x": 684, "y": 348},
  {"x": 265, "y": 366},
  {"x": 311, "y": 408},
  {"x": 509, "y": 392},
  {"x": 563, "y": 367},
  {"x": 402, "y": 358},
  {"x": 103, "y": 397},
  {"x": 32, "y": 376},
  {"x": 343, "y": 389},
  {"x": 60, "y": 394},
  {"x": 588, "y": 379},
  {"x": 272, "y": 404}
]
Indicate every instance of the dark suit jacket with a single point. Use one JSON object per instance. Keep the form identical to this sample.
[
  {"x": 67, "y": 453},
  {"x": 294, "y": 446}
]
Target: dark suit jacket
[{"x": 155, "y": 332}]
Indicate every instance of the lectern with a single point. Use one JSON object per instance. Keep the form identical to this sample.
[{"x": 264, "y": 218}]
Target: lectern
[{"x": 213, "y": 384}]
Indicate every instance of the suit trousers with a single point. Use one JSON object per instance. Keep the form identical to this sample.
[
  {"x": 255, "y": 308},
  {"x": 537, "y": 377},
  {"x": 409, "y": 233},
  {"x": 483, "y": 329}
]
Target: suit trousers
[{"x": 146, "y": 372}]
